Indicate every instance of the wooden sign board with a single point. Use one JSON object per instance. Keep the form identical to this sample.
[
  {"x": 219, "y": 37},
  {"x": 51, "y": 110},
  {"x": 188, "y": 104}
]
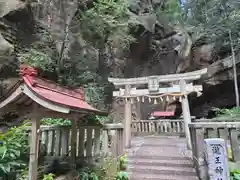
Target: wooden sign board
[{"x": 153, "y": 84}]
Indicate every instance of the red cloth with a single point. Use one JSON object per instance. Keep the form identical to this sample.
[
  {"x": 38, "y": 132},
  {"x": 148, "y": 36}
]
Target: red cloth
[{"x": 163, "y": 113}]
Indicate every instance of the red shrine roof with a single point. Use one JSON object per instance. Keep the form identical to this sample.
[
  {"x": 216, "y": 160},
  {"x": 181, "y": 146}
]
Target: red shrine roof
[{"x": 54, "y": 93}]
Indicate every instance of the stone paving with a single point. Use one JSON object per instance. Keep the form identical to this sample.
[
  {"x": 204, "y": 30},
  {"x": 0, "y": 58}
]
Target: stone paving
[{"x": 160, "y": 158}]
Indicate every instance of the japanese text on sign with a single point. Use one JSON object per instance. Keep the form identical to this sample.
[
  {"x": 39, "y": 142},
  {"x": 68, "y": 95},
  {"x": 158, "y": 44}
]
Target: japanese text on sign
[{"x": 216, "y": 157}]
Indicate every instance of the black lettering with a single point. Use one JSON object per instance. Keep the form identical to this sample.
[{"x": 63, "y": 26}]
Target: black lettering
[
  {"x": 216, "y": 150},
  {"x": 217, "y": 160},
  {"x": 219, "y": 170}
]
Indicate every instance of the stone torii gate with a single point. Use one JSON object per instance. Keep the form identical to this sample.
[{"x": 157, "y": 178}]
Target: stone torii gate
[{"x": 154, "y": 92}]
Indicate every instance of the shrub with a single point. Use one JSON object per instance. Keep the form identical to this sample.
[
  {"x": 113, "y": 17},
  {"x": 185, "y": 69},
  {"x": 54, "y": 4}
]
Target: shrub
[
  {"x": 235, "y": 175},
  {"x": 14, "y": 150},
  {"x": 55, "y": 121}
]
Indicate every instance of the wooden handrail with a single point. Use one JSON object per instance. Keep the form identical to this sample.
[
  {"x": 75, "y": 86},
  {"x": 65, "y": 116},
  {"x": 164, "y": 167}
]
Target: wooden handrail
[
  {"x": 55, "y": 127},
  {"x": 214, "y": 125},
  {"x": 113, "y": 126}
]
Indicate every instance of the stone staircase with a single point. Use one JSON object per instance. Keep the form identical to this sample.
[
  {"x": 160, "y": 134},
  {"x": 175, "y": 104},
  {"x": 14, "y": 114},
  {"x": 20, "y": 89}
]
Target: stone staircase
[{"x": 160, "y": 158}]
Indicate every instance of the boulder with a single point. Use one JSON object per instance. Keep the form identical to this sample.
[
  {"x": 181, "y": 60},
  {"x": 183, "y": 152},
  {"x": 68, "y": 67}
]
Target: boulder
[
  {"x": 221, "y": 71},
  {"x": 6, "y": 48},
  {"x": 7, "y": 6},
  {"x": 218, "y": 88}
]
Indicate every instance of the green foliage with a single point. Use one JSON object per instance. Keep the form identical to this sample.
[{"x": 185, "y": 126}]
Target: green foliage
[
  {"x": 23, "y": 175},
  {"x": 122, "y": 174},
  {"x": 225, "y": 114},
  {"x": 212, "y": 20},
  {"x": 235, "y": 175},
  {"x": 107, "y": 23},
  {"x": 102, "y": 119},
  {"x": 109, "y": 170},
  {"x": 173, "y": 12},
  {"x": 49, "y": 176},
  {"x": 123, "y": 162},
  {"x": 105, "y": 27},
  {"x": 67, "y": 122},
  {"x": 73, "y": 57},
  {"x": 13, "y": 151},
  {"x": 87, "y": 174},
  {"x": 55, "y": 121},
  {"x": 37, "y": 59},
  {"x": 94, "y": 93}
]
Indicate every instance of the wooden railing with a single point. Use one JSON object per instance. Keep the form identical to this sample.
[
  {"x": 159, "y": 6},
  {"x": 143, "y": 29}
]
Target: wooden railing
[
  {"x": 92, "y": 141},
  {"x": 202, "y": 130},
  {"x": 162, "y": 127}
]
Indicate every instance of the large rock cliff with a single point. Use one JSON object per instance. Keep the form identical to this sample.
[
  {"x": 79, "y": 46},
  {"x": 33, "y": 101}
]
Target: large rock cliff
[{"x": 162, "y": 50}]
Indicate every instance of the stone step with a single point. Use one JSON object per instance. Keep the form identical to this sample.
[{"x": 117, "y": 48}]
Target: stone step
[
  {"x": 175, "y": 145},
  {"x": 162, "y": 170},
  {"x": 158, "y": 157},
  {"x": 167, "y": 144},
  {"x": 164, "y": 138},
  {"x": 161, "y": 158},
  {"x": 144, "y": 176},
  {"x": 161, "y": 162},
  {"x": 161, "y": 152}
]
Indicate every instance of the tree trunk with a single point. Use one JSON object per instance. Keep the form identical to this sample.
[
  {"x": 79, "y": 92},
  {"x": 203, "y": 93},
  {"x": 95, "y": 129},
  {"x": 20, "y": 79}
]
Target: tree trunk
[
  {"x": 234, "y": 68},
  {"x": 102, "y": 66}
]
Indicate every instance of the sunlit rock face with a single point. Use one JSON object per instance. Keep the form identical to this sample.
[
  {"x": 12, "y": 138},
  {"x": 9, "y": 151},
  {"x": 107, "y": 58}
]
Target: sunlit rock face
[
  {"x": 5, "y": 49},
  {"x": 6, "y": 7}
]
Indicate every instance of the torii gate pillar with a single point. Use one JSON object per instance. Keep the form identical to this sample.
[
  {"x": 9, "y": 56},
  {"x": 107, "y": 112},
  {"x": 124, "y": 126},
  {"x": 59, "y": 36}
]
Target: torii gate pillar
[
  {"x": 127, "y": 118},
  {"x": 186, "y": 112}
]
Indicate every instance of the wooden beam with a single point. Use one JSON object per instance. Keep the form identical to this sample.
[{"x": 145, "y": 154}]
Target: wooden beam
[
  {"x": 113, "y": 126},
  {"x": 33, "y": 161},
  {"x": 175, "y": 89},
  {"x": 12, "y": 97},
  {"x": 162, "y": 78},
  {"x": 46, "y": 113}
]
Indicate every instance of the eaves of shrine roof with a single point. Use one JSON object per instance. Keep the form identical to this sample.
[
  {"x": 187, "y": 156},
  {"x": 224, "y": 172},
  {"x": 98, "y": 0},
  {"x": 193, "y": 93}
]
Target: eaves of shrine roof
[{"x": 46, "y": 93}]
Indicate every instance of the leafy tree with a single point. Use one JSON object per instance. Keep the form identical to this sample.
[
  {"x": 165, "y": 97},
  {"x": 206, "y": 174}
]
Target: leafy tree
[
  {"x": 217, "y": 22},
  {"x": 76, "y": 44},
  {"x": 212, "y": 20},
  {"x": 106, "y": 26}
]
